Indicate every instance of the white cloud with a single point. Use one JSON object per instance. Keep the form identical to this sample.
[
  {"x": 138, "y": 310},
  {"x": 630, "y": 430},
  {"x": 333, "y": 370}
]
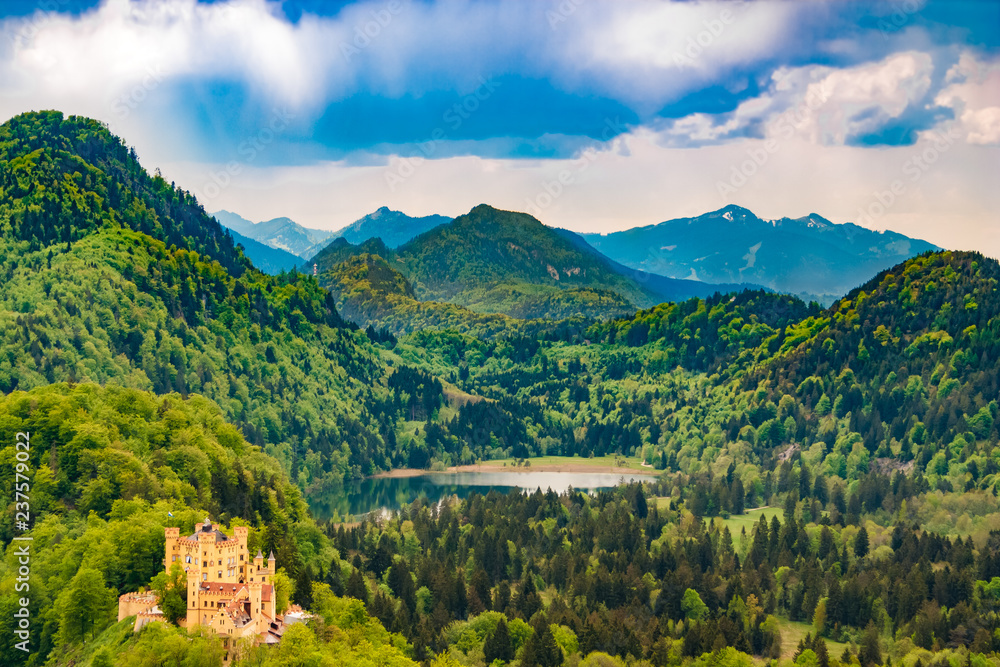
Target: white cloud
[
  {"x": 650, "y": 53},
  {"x": 643, "y": 54},
  {"x": 974, "y": 93},
  {"x": 819, "y": 103}
]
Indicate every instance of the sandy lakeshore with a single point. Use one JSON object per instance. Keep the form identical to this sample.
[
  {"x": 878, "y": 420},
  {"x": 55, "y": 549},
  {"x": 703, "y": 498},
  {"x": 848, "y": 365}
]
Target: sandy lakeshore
[{"x": 492, "y": 466}]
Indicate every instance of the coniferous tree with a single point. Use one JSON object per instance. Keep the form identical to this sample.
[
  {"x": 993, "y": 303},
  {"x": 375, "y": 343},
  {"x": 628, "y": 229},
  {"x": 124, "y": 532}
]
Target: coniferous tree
[
  {"x": 498, "y": 645},
  {"x": 541, "y": 649},
  {"x": 869, "y": 652},
  {"x": 303, "y": 595},
  {"x": 861, "y": 543},
  {"x": 356, "y": 587}
]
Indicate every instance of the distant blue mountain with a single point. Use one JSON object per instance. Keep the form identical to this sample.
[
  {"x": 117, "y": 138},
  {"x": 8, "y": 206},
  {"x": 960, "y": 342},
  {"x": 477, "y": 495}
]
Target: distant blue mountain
[
  {"x": 282, "y": 233},
  {"x": 264, "y": 257},
  {"x": 393, "y": 227},
  {"x": 808, "y": 256}
]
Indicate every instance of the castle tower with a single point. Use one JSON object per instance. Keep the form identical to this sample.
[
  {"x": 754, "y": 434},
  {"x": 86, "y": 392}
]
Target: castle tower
[
  {"x": 270, "y": 565},
  {"x": 171, "y": 552},
  {"x": 194, "y": 596},
  {"x": 254, "y": 588},
  {"x": 241, "y": 534}
]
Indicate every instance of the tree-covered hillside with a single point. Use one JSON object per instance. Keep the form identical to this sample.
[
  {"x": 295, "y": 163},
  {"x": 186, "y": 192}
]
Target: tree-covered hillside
[
  {"x": 372, "y": 293},
  {"x": 754, "y": 379},
  {"x": 494, "y": 261},
  {"x": 62, "y": 178}
]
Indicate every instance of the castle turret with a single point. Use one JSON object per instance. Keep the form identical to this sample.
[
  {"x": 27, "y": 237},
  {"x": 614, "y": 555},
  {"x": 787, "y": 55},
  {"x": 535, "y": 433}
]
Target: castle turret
[
  {"x": 240, "y": 534},
  {"x": 170, "y": 552}
]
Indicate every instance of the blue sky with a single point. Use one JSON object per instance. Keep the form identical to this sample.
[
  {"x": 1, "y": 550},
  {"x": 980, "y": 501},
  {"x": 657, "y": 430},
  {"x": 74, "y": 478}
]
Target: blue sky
[{"x": 592, "y": 115}]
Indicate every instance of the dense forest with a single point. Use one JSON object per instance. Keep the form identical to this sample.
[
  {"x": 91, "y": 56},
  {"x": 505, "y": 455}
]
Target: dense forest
[{"x": 827, "y": 478}]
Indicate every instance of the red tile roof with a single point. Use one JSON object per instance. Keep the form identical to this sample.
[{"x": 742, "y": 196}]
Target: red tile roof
[{"x": 220, "y": 587}]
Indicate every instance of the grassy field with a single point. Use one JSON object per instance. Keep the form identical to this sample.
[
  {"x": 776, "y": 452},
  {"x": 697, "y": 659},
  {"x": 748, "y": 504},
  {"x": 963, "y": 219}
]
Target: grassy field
[
  {"x": 737, "y": 523},
  {"x": 792, "y": 633}
]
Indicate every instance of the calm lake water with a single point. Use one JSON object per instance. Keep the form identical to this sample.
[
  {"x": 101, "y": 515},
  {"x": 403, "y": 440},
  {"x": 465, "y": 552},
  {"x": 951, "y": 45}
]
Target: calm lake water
[{"x": 394, "y": 492}]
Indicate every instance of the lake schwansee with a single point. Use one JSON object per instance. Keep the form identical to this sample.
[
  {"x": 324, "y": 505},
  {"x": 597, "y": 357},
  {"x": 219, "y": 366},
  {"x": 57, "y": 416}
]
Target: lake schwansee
[{"x": 392, "y": 493}]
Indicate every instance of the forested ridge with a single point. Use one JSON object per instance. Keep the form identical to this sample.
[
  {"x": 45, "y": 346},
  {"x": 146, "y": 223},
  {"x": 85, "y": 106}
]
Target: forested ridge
[
  {"x": 823, "y": 471},
  {"x": 494, "y": 261}
]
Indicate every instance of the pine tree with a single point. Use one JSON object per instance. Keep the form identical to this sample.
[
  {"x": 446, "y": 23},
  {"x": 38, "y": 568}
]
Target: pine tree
[
  {"x": 304, "y": 588},
  {"x": 822, "y": 654},
  {"x": 356, "y": 587},
  {"x": 869, "y": 652},
  {"x": 541, "y": 649},
  {"x": 861, "y": 543},
  {"x": 498, "y": 645}
]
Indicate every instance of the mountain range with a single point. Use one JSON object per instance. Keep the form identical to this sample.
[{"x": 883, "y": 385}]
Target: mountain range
[
  {"x": 493, "y": 261},
  {"x": 264, "y": 257},
  {"x": 393, "y": 227},
  {"x": 808, "y": 256},
  {"x": 280, "y": 233}
]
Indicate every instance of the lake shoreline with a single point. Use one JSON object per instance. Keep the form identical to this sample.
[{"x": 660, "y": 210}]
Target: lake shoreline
[{"x": 402, "y": 473}]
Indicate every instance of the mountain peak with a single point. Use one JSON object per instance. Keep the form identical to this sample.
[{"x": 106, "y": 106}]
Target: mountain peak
[
  {"x": 483, "y": 209},
  {"x": 816, "y": 220},
  {"x": 281, "y": 233},
  {"x": 810, "y": 255},
  {"x": 394, "y": 227},
  {"x": 731, "y": 212}
]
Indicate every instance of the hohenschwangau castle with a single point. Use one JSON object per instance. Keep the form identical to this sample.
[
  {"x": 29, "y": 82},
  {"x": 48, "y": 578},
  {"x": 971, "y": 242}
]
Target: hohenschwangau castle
[{"x": 226, "y": 592}]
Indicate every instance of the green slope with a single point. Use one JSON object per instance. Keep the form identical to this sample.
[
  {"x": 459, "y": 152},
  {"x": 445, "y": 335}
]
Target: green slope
[
  {"x": 493, "y": 261},
  {"x": 113, "y": 275}
]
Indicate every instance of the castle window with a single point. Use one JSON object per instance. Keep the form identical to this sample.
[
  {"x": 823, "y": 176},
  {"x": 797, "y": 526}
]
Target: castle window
[
  {"x": 204, "y": 577},
  {"x": 241, "y": 556},
  {"x": 187, "y": 559}
]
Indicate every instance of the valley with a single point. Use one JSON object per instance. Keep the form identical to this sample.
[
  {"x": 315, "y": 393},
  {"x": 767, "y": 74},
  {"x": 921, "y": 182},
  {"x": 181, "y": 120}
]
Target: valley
[{"x": 812, "y": 485}]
